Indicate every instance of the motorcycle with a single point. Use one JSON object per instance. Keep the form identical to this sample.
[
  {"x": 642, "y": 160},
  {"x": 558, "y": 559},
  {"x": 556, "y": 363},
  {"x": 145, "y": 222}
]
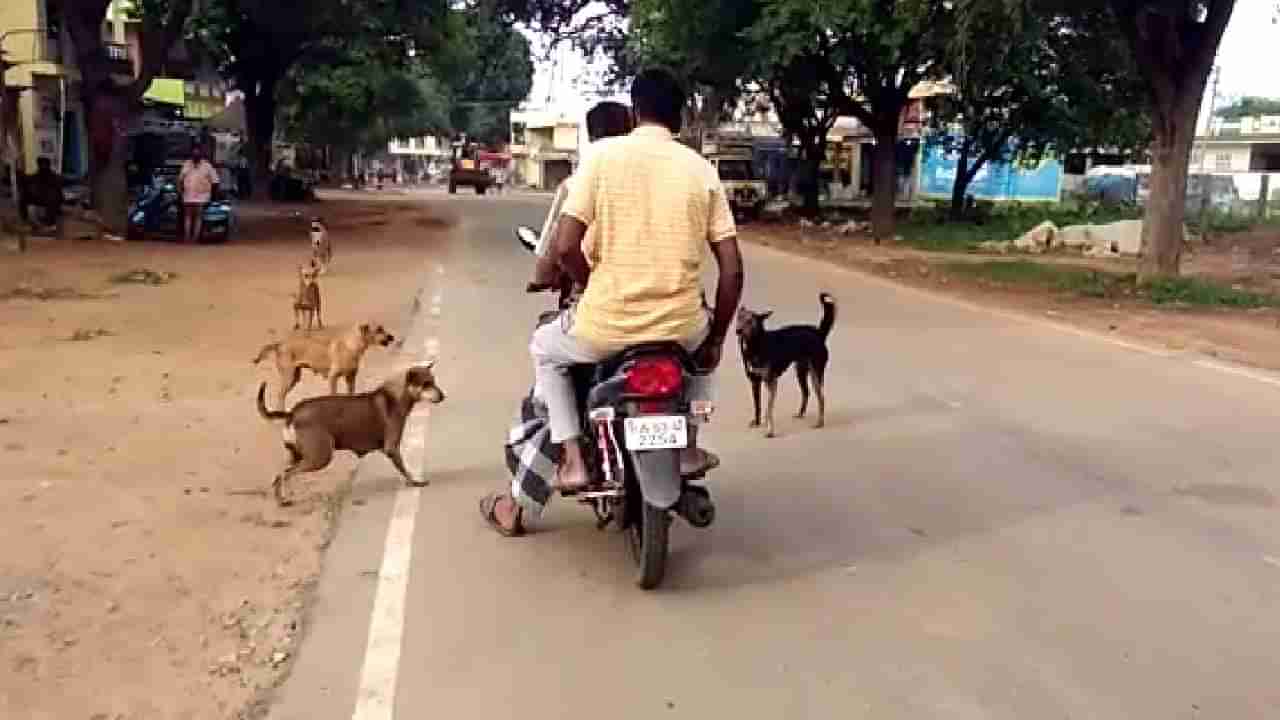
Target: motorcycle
[
  {"x": 157, "y": 210},
  {"x": 637, "y": 418}
]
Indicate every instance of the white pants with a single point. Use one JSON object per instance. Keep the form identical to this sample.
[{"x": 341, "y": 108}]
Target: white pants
[{"x": 555, "y": 350}]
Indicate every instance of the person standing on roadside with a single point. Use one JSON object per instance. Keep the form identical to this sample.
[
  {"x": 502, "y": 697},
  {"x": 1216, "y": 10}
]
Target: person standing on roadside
[{"x": 197, "y": 181}]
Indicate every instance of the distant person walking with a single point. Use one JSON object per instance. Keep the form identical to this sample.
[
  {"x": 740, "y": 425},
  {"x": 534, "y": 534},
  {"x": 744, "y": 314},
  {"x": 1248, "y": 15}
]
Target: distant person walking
[{"x": 197, "y": 181}]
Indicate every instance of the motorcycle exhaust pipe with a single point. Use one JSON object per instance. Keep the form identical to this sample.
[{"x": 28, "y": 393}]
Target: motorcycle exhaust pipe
[{"x": 696, "y": 508}]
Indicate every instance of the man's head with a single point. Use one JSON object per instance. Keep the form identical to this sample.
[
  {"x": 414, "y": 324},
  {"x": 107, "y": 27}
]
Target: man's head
[
  {"x": 608, "y": 119},
  {"x": 44, "y": 164},
  {"x": 658, "y": 99},
  {"x": 197, "y": 152}
]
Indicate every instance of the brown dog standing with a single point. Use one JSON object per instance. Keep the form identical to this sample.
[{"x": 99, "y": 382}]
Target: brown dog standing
[
  {"x": 307, "y": 305},
  {"x": 321, "y": 245},
  {"x": 330, "y": 356},
  {"x": 362, "y": 423}
]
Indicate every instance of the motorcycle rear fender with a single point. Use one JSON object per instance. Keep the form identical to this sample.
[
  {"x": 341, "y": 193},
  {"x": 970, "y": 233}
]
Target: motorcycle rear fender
[
  {"x": 658, "y": 474},
  {"x": 657, "y": 471}
]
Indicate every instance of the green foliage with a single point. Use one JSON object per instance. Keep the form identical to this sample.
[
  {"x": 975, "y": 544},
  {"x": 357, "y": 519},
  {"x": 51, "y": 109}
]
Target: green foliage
[
  {"x": 356, "y": 73},
  {"x": 1249, "y": 106},
  {"x": 849, "y": 57},
  {"x": 359, "y": 104},
  {"x": 494, "y": 75},
  {"x": 1027, "y": 82},
  {"x": 703, "y": 42}
]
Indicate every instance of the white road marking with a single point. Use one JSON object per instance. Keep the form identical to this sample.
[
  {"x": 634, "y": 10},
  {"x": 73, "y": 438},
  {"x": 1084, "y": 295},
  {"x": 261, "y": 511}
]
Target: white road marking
[
  {"x": 376, "y": 697},
  {"x": 377, "y": 694},
  {"x": 1257, "y": 375}
]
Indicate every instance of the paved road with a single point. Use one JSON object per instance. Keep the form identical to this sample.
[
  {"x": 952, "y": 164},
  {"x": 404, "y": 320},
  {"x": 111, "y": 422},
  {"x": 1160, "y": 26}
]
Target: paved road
[{"x": 1002, "y": 520}]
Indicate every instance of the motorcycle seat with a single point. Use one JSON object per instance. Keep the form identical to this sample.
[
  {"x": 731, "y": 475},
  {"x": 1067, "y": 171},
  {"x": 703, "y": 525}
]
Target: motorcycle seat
[{"x": 609, "y": 367}]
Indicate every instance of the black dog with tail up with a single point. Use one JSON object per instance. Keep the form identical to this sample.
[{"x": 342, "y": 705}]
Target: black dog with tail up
[{"x": 766, "y": 355}]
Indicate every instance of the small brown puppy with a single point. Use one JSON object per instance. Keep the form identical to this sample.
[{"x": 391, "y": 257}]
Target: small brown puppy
[
  {"x": 363, "y": 423},
  {"x": 306, "y": 307},
  {"x": 330, "y": 356}
]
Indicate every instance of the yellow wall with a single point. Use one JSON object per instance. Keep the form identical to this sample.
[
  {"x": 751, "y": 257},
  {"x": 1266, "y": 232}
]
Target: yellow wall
[{"x": 19, "y": 18}]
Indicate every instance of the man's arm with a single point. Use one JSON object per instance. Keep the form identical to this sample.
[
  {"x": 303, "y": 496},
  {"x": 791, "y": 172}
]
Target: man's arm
[
  {"x": 579, "y": 212},
  {"x": 728, "y": 292},
  {"x": 566, "y": 251},
  {"x": 546, "y": 273},
  {"x": 722, "y": 235}
]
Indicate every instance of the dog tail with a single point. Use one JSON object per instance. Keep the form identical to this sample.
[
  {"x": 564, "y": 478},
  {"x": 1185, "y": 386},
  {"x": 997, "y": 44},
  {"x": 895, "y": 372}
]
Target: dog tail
[
  {"x": 268, "y": 415},
  {"x": 828, "y": 314},
  {"x": 266, "y": 350}
]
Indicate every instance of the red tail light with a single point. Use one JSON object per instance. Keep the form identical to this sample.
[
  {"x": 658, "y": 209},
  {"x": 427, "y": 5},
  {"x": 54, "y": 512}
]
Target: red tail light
[{"x": 654, "y": 377}]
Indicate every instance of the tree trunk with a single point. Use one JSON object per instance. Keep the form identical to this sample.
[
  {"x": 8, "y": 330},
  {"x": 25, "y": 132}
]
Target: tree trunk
[
  {"x": 260, "y": 126},
  {"x": 884, "y": 183},
  {"x": 108, "y": 116},
  {"x": 1174, "y": 48},
  {"x": 810, "y": 176},
  {"x": 1162, "y": 227},
  {"x": 960, "y": 188}
]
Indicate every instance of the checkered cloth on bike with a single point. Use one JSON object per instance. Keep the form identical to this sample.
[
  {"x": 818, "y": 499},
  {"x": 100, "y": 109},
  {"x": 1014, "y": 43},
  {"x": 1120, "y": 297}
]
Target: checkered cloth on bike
[{"x": 531, "y": 456}]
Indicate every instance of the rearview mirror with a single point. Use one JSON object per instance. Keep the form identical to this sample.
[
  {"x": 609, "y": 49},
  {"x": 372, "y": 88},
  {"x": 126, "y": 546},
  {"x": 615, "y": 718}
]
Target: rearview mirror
[{"x": 527, "y": 237}]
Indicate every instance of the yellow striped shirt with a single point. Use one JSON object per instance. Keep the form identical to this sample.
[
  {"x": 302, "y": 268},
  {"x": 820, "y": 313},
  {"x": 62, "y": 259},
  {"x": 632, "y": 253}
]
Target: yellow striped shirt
[{"x": 652, "y": 206}]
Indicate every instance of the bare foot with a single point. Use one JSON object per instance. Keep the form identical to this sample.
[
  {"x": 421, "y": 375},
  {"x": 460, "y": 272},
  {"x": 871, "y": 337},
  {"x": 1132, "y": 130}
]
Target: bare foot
[{"x": 572, "y": 475}]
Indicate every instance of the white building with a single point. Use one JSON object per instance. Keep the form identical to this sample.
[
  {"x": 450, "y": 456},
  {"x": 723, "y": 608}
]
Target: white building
[
  {"x": 419, "y": 157},
  {"x": 544, "y": 146},
  {"x": 1249, "y": 144}
]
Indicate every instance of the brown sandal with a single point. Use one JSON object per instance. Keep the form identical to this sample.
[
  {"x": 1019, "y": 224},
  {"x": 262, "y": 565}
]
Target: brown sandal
[{"x": 489, "y": 511}]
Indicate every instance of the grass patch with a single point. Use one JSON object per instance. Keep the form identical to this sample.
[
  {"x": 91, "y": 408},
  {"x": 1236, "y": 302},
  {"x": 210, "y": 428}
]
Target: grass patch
[
  {"x": 1194, "y": 291},
  {"x": 1084, "y": 282},
  {"x": 1059, "y": 278},
  {"x": 931, "y": 228}
]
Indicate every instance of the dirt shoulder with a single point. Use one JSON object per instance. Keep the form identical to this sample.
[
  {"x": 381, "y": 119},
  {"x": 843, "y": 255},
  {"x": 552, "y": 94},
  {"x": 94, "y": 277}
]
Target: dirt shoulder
[
  {"x": 1247, "y": 336},
  {"x": 147, "y": 574}
]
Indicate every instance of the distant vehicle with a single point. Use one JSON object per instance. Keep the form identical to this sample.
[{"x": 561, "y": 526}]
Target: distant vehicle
[
  {"x": 466, "y": 170},
  {"x": 747, "y": 193},
  {"x": 288, "y": 186},
  {"x": 1131, "y": 185},
  {"x": 158, "y": 209}
]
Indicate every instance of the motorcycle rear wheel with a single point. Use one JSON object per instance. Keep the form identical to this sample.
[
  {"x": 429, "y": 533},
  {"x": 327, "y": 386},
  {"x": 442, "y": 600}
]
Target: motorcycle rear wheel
[{"x": 647, "y": 537}]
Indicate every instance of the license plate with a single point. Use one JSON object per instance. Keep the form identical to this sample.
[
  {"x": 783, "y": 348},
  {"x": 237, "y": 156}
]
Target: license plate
[{"x": 656, "y": 432}]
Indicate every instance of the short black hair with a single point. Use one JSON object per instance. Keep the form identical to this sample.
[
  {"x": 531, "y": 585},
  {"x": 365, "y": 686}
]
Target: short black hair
[
  {"x": 44, "y": 162},
  {"x": 608, "y": 119},
  {"x": 657, "y": 97}
]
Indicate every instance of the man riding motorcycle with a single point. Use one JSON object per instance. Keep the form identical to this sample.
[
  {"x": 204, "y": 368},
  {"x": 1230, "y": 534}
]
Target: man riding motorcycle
[{"x": 653, "y": 207}]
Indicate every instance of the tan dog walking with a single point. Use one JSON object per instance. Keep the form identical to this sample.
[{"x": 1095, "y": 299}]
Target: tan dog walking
[
  {"x": 330, "y": 356},
  {"x": 306, "y": 306}
]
